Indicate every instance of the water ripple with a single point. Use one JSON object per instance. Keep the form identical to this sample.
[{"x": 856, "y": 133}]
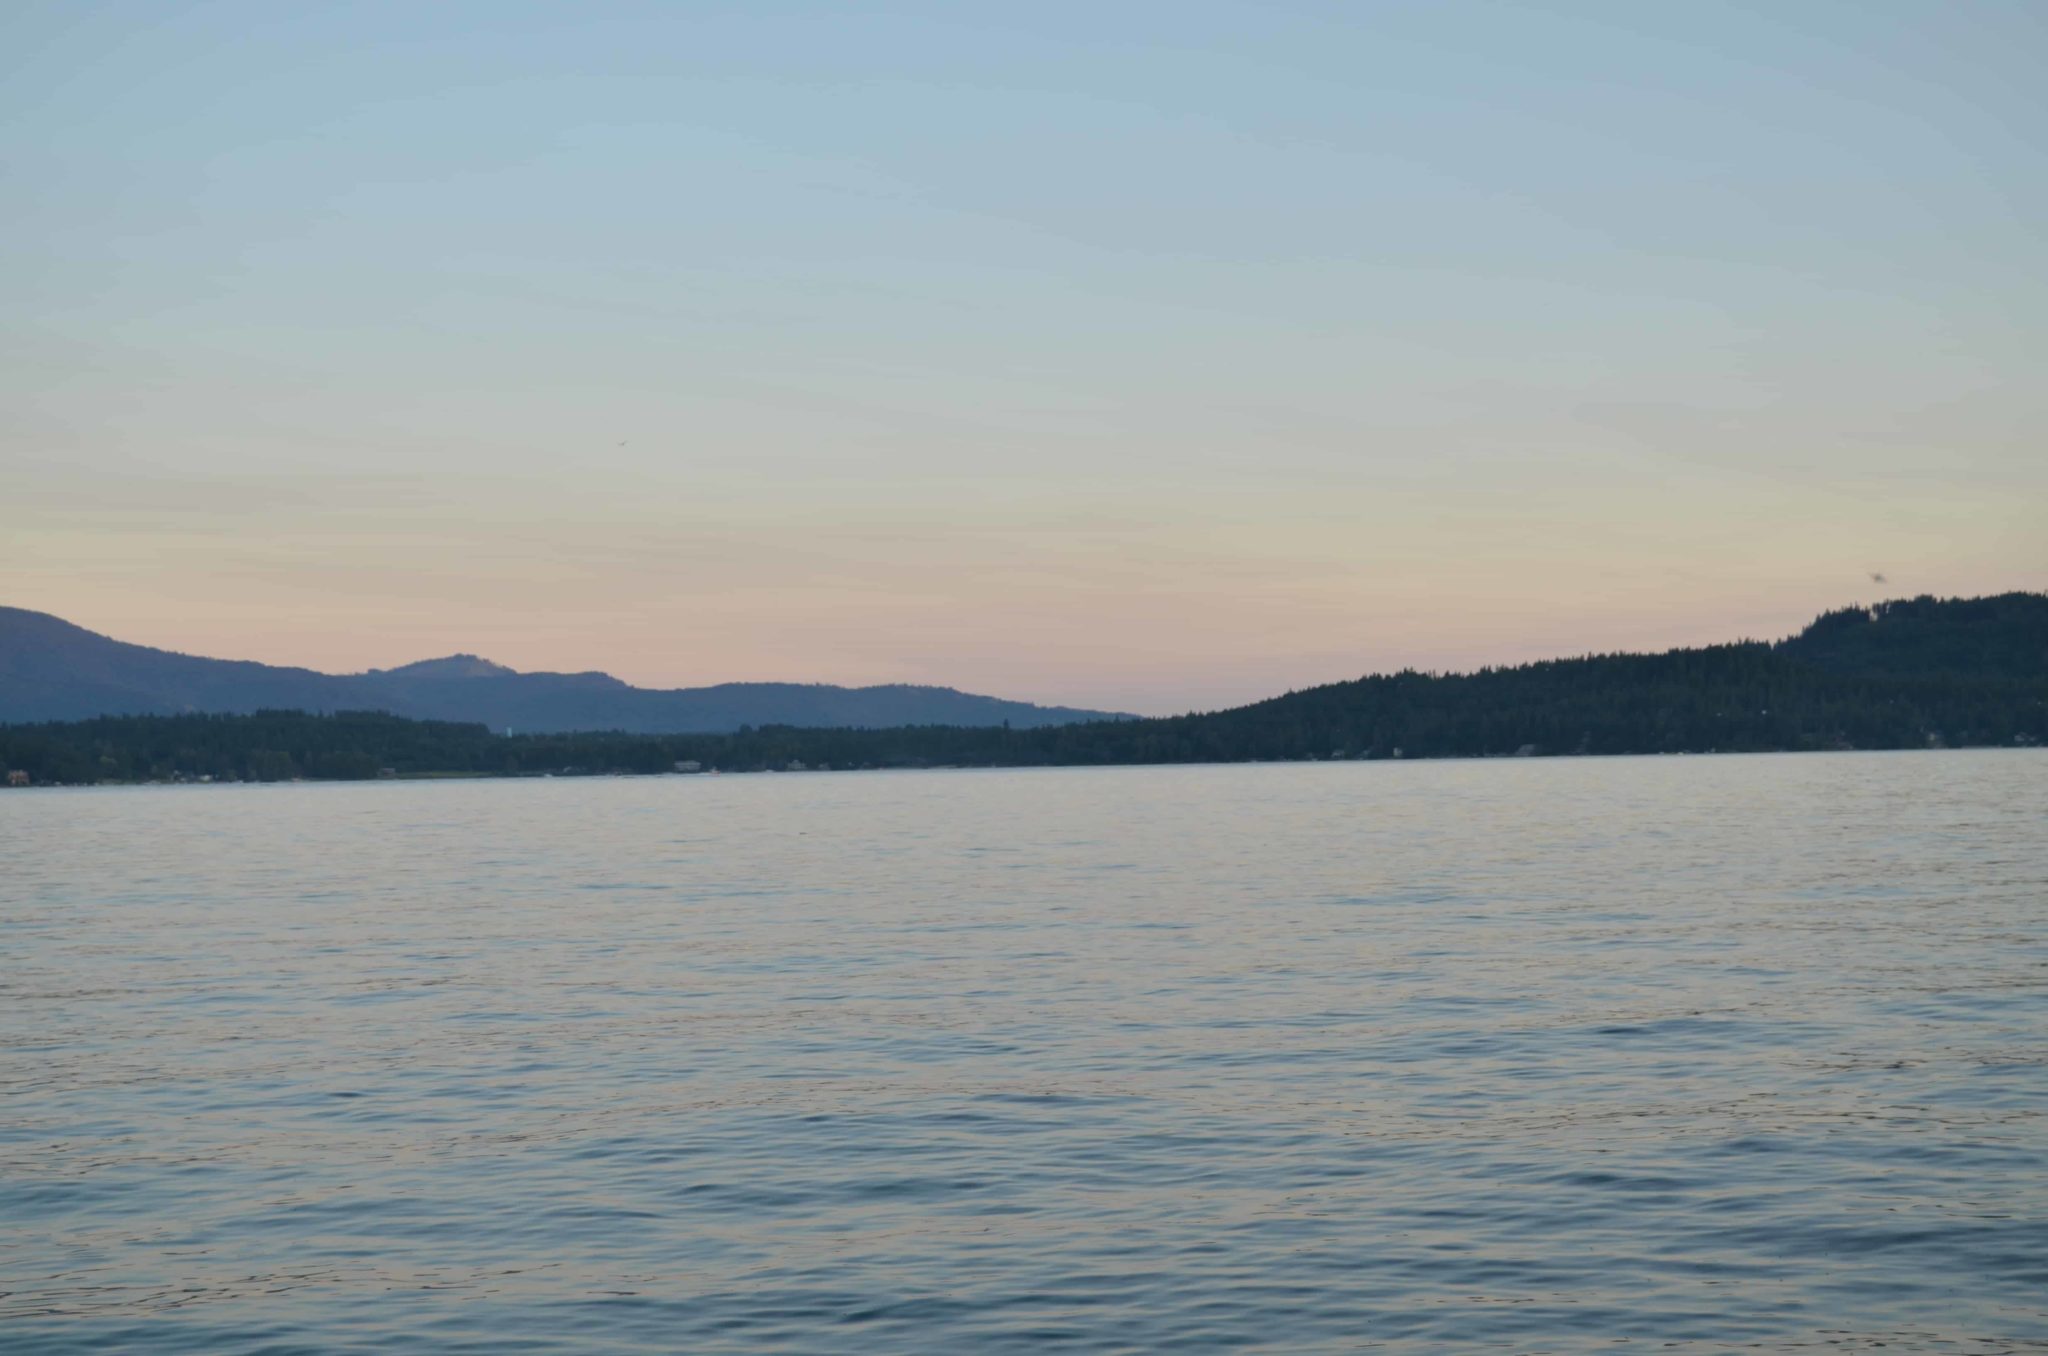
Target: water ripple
[{"x": 1700, "y": 1054}]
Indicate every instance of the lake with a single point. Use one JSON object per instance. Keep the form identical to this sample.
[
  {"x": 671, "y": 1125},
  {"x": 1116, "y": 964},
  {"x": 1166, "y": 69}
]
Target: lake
[{"x": 1532, "y": 1055}]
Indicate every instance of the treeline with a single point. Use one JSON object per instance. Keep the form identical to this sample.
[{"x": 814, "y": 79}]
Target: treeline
[{"x": 1905, "y": 675}]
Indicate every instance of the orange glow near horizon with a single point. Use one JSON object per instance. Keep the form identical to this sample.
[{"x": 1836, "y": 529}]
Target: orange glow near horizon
[{"x": 1029, "y": 353}]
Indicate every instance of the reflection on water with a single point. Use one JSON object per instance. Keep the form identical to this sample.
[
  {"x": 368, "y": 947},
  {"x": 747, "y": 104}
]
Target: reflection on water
[{"x": 1543, "y": 1056}]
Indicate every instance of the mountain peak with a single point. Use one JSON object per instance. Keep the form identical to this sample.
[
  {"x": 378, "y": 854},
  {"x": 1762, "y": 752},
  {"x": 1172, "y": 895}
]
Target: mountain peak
[
  {"x": 52, "y": 670},
  {"x": 450, "y": 666}
]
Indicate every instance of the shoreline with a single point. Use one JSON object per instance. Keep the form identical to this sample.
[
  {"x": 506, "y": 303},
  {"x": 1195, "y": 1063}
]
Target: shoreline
[{"x": 193, "y": 783}]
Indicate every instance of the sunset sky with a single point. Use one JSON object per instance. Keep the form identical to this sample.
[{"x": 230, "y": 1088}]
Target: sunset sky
[{"x": 1144, "y": 356}]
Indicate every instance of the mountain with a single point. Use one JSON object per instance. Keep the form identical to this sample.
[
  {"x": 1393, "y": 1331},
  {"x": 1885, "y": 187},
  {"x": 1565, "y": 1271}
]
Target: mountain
[
  {"x": 53, "y": 670},
  {"x": 1915, "y": 673},
  {"x": 454, "y": 666}
]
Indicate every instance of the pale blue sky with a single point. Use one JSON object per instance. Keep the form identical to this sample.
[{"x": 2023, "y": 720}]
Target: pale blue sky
[{"x": 1141, "y": 355}]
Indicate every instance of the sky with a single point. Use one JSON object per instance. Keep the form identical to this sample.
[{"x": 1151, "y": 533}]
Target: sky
[{"x": 1150, "y": 357}]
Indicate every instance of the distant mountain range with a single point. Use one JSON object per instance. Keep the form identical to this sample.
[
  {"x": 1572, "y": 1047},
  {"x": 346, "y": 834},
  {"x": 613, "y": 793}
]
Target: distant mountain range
[
  {"x": 1910, "y": 674},
  {"x": 53, "y": 670}
]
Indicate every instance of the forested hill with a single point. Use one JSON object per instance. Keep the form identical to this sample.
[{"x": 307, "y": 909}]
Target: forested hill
[
  {"x": 1909, "y": 674},
  {"x": 1966, "y": 639}
]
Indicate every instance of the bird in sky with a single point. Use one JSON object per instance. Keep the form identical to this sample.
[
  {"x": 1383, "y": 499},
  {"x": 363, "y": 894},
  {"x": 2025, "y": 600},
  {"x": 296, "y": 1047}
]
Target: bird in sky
[{"x": 1877, "y": 578}]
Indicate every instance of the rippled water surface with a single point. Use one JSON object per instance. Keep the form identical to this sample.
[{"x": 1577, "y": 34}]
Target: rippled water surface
[{"x": 1680, "y": 1053}]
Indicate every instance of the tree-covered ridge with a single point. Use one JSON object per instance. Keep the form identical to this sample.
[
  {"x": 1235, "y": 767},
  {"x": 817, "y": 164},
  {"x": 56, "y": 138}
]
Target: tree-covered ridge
[
  {"x": 1970, "y": 639},
  {"x": 1903, "y": 675}
]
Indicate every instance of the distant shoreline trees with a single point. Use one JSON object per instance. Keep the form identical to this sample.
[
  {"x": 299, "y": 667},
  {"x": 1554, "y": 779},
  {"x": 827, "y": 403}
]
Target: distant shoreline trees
[{"x": 1912, "y": 674}]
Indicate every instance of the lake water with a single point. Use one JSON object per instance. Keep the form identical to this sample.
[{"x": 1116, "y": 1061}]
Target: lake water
[{"x": 1552, "y": 1055}]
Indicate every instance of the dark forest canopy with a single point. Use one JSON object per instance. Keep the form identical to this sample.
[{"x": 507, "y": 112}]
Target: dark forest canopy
[{"x": 1907, "y": 674}]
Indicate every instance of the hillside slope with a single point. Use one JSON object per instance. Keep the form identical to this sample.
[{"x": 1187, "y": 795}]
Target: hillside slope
[
  {"x": 1922, "y": 674},
  {"x": 53, "y": 670}
]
